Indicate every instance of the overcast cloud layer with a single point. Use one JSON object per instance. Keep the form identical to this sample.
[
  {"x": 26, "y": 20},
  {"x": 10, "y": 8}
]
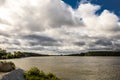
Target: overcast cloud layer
[{"x": 51, "y": 26}]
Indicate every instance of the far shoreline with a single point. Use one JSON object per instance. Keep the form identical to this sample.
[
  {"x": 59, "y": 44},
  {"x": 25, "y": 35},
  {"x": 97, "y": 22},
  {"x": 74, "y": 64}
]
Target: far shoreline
[{"x": 4, "y": 55}]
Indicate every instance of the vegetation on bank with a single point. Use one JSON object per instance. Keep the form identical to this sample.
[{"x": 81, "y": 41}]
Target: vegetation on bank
[
  {"x": 98, "y": 53},
  {"x": 35, "y": 74},
  {"x": 16, "y": 54},
  {"x": 32, "y": 74}
]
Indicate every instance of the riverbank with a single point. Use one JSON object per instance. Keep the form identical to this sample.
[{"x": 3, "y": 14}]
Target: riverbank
[
  {"x": 17, "y": 74},
  {"x": 9, "y": 72},
  {"x": 32, "y": 74},
  {"x": 74, "y": 67}
]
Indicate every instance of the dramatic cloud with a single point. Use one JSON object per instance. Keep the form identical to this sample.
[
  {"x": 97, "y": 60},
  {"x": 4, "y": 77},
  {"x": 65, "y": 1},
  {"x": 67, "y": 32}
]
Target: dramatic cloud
[{"x": 52, "y": 26}]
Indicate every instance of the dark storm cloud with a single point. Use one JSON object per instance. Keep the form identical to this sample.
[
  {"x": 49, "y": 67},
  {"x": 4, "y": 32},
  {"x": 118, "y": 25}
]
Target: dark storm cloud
[
  {"x": 34, "y": 48},
  {"x": 39, "y": 37},
  {"x": 99, "y": 49},
  {"x": 103, "y": 42},
  {"x": 34, "y": 40},
  {"x": 4, "y": 34},
  {"x": 80, "y": 43},
  {"x": 10, "y": 42}
]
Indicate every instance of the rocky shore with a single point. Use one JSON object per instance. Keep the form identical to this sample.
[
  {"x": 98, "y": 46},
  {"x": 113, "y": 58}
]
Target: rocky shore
[
  {"x": 6, "y": 66},
  {"x": 11, "y": 73},
  {"x": 17, "y": 74}
]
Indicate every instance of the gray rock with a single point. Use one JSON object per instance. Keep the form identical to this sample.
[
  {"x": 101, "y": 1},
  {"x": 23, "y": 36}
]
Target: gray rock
[
  {"x": 17, "y": 74},
  {"x": 6, "y": 66}
]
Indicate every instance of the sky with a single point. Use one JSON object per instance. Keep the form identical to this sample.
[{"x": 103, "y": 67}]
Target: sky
[
  {"x": 59, "y": 26},
  {"x": 112, "y": 5}
]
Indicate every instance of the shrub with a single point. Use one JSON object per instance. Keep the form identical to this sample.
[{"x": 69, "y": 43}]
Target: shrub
[{"x": 35, "y": 74}]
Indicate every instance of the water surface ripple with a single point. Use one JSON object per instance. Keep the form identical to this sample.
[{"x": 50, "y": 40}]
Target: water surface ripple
[{"x": 75, "y": 68}]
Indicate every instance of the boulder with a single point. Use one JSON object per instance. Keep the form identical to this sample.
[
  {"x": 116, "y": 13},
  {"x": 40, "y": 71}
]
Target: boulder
[
  {"x": 17, "y": 74},
  {"x": 6, "y": 66}
]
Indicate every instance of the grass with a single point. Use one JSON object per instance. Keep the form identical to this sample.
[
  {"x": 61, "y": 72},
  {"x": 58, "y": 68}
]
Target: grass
[{"x": 35, "y": 74}]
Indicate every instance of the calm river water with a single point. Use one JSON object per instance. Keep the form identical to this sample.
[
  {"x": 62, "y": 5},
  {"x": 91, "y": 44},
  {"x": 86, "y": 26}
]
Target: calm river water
[{"x": 75, "y": 68}]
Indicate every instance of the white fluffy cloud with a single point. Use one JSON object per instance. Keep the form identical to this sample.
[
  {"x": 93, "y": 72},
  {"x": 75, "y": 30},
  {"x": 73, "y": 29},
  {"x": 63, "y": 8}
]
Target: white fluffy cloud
[
  {"x": 103, "y": 25},
  {"x": 37, "y": 15},
  {"x": 53, "y": 26}
]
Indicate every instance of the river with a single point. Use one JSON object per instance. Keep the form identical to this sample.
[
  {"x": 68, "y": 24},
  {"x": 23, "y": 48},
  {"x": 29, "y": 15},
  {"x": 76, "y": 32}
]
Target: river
[{"x": 75, "y": 67}]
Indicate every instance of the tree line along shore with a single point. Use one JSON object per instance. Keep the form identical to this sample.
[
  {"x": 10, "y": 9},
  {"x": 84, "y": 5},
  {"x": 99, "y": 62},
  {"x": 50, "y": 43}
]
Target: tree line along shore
[
  {"x": 98, "y": 53},
  {"x": 17, "y": 54}
]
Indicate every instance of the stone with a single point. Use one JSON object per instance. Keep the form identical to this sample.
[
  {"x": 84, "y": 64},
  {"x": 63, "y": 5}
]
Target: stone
[
  {"x": 6, "y": 66},
  {"x": 17, "y": 74}
]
